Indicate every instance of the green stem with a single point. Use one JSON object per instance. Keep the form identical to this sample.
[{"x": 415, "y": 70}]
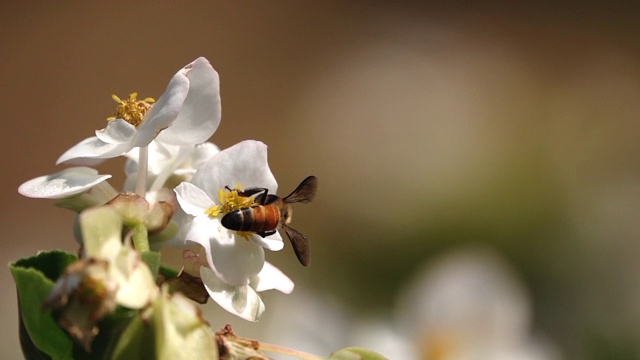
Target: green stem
[
  {"x": 143, "y": 164},
  {"x": 140, "y": 238}
]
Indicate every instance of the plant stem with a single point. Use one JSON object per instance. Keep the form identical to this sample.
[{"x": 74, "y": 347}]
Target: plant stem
[
  {"x": 283, "y": 350},
  {"x": 143, "y": 164},
  {"x": 140, "y": 238}
]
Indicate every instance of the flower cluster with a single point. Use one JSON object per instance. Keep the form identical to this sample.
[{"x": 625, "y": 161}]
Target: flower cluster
[{"x": 177, "y": 189}]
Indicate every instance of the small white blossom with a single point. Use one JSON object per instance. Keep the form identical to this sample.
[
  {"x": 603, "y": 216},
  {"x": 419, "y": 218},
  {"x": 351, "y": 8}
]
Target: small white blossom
[
  {"x": 470, "y": 305},
  {"x": 111, "y": 273},
  {"x": 234, "y": 261},
  {"x": 77, "y": 187},
  {"x": 232, "y": 257},
  {"x": 102, "y": 233},
  {"x": 187, "y": 113}
]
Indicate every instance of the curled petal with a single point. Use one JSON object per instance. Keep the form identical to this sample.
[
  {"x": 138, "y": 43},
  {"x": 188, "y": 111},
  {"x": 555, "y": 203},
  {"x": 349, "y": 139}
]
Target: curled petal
[
  {"x": 165, "y": 111},
  {"x": 244, "y": 163},
  {"x": 192, "y": 199},
  {"x": 63, "y": 184},
  {"x": 240, "y": 300},
  {"x": 117, "y": 131},
  {"x": 91, "y": 151},
  {"x": 270, "y": 278},
  {"x": 200, "y": 114}
]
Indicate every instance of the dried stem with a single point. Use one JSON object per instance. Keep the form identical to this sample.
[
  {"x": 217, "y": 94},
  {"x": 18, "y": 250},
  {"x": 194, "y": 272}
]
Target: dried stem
[{"x": 283, "y": 350}]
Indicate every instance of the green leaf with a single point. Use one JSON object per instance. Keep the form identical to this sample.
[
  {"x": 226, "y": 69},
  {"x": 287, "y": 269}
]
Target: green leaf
[
  {"x": 50, "y": 263},
  {"x": 29, "y": 349},
  {"x": 34, "y": 278},
  {"x": 111, "y": 329},
  {"x": 152, "y": 259},
  {"x": 136, "y": 342},
  {"x": 355, "y": 353}
]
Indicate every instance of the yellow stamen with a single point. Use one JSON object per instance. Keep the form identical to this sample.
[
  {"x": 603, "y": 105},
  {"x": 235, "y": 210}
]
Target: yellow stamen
[
  {"x": 131, "y": 110},
  {"x": 230, "y": 201},
  {"x": 213, "y": 211}
]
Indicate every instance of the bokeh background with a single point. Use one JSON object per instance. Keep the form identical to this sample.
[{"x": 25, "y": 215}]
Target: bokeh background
[{"x": 478, "y": 164}]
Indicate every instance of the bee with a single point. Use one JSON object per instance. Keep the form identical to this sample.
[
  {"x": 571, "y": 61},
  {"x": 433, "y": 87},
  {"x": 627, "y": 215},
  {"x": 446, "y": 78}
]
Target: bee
[{"x": 273, "y": 212}]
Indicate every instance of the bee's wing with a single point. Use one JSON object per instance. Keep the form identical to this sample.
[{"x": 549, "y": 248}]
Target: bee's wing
[
  {"x": 305, "y": 192},
  {"x": 300, "y": 244},
  {"x": 269, "y": 199}
]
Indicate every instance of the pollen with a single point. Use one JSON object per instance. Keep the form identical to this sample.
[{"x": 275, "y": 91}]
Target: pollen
[
  {"x": 131, "y": 110},
  {"x": 233, "y": 200},
  {"x": 213, "y": 211},
  {"x": 230, "y": 201}
]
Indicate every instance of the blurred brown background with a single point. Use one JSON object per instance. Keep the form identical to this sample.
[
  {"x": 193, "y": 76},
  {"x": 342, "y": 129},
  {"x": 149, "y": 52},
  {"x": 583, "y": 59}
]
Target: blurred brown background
[{"x": 429, "y": 127}]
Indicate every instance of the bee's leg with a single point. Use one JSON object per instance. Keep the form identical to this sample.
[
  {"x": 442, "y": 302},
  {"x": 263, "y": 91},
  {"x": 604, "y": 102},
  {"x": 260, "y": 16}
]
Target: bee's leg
[
  {"x": 266, "y": 233},
  {"x": 250, "y": 191}
]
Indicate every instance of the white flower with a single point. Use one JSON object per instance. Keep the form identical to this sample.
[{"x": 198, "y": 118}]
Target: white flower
[
  {"x": 234, "y": 261},
  {"x": 187, "y": 113},
  {"x": 470, "y": 305},
  {"x": 168, "y": 164},
  {"x": 110, "y": 274},
  {"x": 102, "y": 233},
  {"x": 232, "y": 257},
  {"x": 77, "y": 187}
]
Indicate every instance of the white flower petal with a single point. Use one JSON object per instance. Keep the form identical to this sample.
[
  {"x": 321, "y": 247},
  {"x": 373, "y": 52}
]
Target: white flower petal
[
  {"x": 63, "y": 184},
  {"x": 91, "y": 151},
  {"x": 233, "y": 259},
  {"x": 165, "y": 111},
  {"x": 270, "y": 278},
  {"x": 136, "y": 285},
  {"x": 239, "y": 300},
  {"x": 199, "y": 232},
  {"x": 164, "y": 156},
  {"x": 192, "y": 199},
  {"x": 101, "y": 229},
  {"x": 117, "y": 131},
  {"x": 201, "y": 153},
  {"x": 244, "y": 163},
  {"x": 200, "y": 114},
  {"x": 273, "y": 242}
]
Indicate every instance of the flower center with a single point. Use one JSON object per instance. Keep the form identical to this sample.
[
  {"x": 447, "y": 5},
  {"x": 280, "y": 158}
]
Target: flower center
[
  {"x": 90, "y": 291},
  {"x": 131, "y": 110},
  {"x": 230, "y": 201}
]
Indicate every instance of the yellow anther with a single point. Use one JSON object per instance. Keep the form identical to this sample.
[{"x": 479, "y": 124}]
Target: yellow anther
[
  {"x": 131, "y": 110},
  {"x": 213, "y": 211},
  {"x": 230, "y": 201}
]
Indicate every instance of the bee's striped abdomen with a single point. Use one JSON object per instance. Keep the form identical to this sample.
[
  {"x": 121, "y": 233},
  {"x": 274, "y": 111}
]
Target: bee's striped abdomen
[{"x": 256, "y": 219}]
